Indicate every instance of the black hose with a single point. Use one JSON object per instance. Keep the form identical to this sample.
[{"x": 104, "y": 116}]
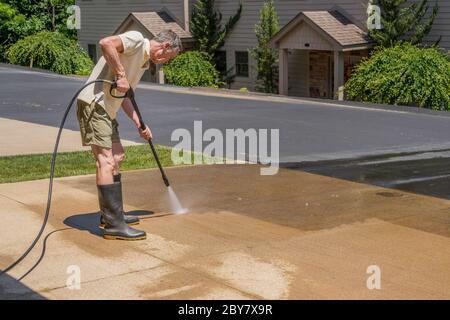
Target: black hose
[
  {"x": 44, "y": 249},
  {"x": 52, "y": 173},
  {"x": 143, "y": 126}
]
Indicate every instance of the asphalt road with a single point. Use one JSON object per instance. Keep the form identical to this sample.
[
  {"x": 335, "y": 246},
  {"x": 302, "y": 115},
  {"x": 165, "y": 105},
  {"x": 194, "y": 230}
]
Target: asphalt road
[
  {"x": 319, "y": 134},
  {"x": 308, "y": 131}
]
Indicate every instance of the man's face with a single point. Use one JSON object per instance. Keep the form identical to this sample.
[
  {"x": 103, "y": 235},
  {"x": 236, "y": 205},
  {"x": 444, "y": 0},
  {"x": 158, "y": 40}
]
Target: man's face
[{"x": 163, "y": 53}]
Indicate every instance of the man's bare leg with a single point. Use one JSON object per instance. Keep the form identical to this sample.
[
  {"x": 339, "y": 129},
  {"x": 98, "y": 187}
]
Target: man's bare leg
[
  {"x": 118, "y": 155},
  {"x": 105, "y": 165}
]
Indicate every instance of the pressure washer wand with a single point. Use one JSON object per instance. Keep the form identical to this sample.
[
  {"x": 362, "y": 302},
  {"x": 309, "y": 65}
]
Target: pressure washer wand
[{"x": 130, "y": 95}]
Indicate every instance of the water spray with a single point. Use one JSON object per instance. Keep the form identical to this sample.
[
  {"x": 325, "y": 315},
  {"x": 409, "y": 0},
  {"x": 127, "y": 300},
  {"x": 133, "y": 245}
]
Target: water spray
[{"x": 174, "y": 202}]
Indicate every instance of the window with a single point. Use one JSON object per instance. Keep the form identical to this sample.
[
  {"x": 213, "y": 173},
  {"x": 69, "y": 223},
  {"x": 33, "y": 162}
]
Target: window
[
  {"x": 241, "y": 63},
  {"x": 92, "y": 51},
  {"x": 221, "y": 62}
]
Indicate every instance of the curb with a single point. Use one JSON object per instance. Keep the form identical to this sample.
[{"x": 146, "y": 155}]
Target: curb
[
  {"x": 37, "y": 70},
  {"x": 236, "y": 94}
]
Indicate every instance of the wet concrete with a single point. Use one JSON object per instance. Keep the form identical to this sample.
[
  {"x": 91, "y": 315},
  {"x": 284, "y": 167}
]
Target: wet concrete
[
  {"x": 295, "y": 235},
  {"x": 419, "y": 172}
]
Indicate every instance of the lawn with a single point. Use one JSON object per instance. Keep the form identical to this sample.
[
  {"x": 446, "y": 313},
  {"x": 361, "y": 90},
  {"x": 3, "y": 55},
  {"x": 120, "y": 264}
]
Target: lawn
[{"x": 34, "y": 167}]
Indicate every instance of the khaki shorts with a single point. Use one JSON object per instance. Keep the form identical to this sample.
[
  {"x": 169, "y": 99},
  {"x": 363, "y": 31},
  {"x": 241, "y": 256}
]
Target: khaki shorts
[{"x": 96, "y": 126}]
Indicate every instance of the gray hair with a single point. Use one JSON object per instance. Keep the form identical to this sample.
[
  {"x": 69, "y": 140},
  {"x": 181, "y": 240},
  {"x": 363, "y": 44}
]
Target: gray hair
[{"x": 171, "y": 37}]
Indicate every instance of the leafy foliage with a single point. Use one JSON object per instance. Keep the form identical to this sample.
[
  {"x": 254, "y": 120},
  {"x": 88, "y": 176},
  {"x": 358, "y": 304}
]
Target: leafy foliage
[
  {"x": 403, "y": 75},
  {"x": 400, "y": 21},
  {"x": 14, "y": 26},
  {"x": 52, "y": 51},
  {"x": 266, "y": 57},
  {"x": 206, "y": 26},
  {"x": 21, "y": 18},
  {"x": 26, "y": 7},
  {"x": 41, "y": 15},
  {"x": 192, "y": 69},
  {"x": 228, "y": 77}
]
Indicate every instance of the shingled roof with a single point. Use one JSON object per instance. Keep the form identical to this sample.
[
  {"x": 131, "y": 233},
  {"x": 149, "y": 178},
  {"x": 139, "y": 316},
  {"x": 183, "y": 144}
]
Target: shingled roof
[
  {"x": 338, "y": 27},
  {"x": 334, "y": 25},
  {"x": 155, "y": 22}
]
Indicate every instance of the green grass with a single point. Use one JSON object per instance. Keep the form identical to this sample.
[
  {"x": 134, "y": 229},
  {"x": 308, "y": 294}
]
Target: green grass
[{"x": 34, "y": 167}]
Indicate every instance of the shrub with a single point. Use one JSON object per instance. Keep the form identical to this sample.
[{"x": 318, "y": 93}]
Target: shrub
[
  {"x": 52, "y": 51},
  {"x": 403, "y": 75},
  {"x": 192, "y": 69}
]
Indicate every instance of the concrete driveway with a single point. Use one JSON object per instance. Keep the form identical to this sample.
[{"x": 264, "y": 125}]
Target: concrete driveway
[
  {"x": 362, "y": 199},
  {"x": 295, "y": 235}
]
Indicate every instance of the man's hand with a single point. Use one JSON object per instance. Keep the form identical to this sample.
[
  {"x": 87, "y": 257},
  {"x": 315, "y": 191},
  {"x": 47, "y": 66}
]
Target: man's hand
[
  {"x": 146, "y": 134},
  {"x": 123, "y": 85}
]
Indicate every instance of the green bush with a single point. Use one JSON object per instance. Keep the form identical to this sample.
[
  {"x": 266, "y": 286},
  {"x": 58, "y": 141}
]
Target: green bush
[
  {"x": 403, "y": 75},
  {"x": 52, "y": 51},
  {"x": 192, "y": 69}
]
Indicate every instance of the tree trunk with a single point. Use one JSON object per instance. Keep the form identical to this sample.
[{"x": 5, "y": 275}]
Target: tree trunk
[{"x": 53, "y": 18}]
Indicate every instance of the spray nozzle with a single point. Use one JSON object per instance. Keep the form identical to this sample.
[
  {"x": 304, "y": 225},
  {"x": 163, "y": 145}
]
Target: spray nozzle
[{"x": 166, "y": 182}]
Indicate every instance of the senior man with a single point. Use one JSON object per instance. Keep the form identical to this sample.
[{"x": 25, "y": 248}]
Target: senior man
[{"x": 125, "y": 59}]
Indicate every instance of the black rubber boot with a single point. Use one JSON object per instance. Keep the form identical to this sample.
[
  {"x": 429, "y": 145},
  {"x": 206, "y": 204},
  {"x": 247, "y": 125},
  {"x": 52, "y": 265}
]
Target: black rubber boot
[
  {"x": 130, "y": 220},
  {"x": 111, "y": 206}
]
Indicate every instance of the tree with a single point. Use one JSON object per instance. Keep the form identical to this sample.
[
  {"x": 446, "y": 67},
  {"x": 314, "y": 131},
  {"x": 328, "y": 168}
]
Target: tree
[
  {"x": 56, "y": 13},
  {"x": 50, "y": 13},
  {"x": 25, "y": 7},
  {"x": 206, "y": 26},
  {"x": 266, "y": 57},
  {"x": 14, "y": 26},
  {"x": 401, "y": 21}
]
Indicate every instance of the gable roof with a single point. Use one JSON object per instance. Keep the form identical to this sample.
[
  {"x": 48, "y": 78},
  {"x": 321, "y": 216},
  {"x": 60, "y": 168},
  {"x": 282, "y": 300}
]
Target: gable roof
[
  {"x": 337, "y": 28},
  {"x": 156, "y": 22}
]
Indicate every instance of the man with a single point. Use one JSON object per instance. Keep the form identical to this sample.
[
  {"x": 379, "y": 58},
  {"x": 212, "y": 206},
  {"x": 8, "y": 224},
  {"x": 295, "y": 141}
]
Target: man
[{"x": 125, "y": 59}]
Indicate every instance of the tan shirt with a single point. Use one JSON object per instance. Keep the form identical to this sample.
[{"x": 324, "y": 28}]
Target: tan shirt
[{"x": 135, "y": 60}]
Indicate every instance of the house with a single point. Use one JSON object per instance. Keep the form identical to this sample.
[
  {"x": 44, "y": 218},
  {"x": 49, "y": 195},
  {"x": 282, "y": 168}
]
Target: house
[
  {"x": 325, "y": 45},
  {"x": 314, "y": 34},
  {"x": 100, "y": 18}
]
